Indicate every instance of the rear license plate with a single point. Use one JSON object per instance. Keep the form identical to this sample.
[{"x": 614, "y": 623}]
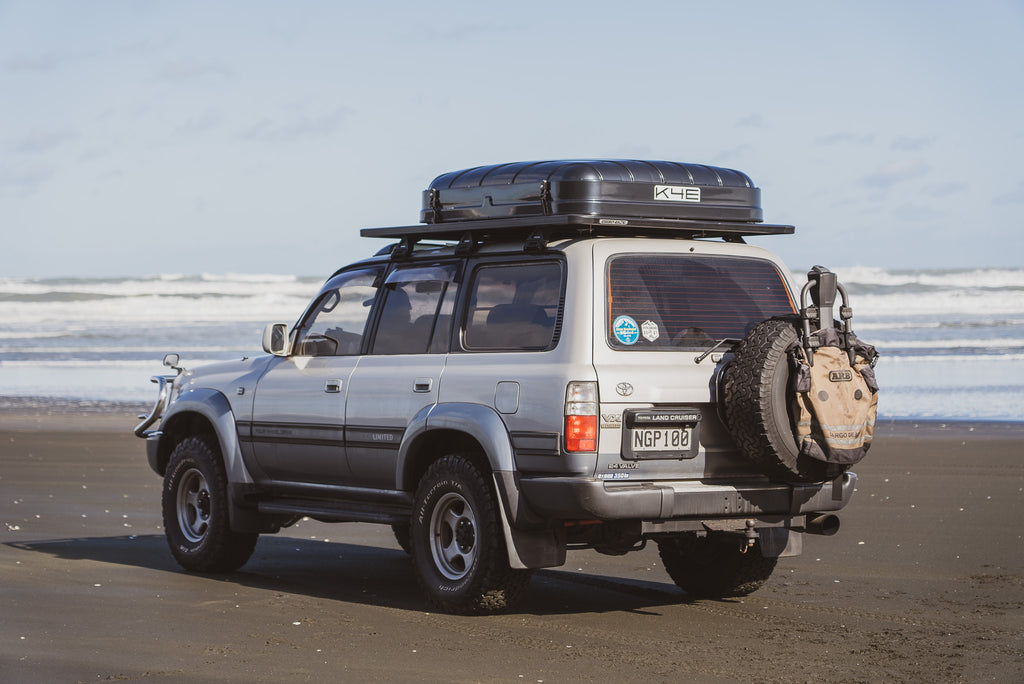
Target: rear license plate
[
  {"x": 652, "y": 439},
  {"x": 660, "y": 433}
]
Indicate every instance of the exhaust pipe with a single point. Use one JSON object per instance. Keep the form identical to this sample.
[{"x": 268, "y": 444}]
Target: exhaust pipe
[{"x": 824, "y": 524}]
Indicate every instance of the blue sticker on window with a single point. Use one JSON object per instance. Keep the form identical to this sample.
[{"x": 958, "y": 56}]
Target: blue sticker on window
[{"x": 626, "y": 330}]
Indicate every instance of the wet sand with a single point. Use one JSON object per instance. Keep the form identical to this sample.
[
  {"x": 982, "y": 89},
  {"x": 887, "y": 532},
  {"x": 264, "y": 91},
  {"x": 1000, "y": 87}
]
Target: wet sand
[{"x": 924, "y": 582}]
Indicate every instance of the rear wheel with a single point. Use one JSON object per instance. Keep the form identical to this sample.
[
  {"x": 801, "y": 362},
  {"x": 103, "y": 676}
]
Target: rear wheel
[
  {"x": 195, "y": 511},
  {"x": 458, "y": 548},
  {"x": 715, "y": 566}
]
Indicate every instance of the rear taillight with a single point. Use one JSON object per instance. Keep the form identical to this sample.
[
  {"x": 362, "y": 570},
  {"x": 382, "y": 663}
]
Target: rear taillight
[{"x": 581, "y": 416}]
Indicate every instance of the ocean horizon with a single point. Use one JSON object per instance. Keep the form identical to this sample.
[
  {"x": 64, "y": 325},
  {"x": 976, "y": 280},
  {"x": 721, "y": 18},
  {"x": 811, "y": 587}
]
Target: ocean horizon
[{"x": 951, "y": 340}]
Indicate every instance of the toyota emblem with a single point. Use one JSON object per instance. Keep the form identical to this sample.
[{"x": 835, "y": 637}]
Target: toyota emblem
[{"x": 624, "y": 389}]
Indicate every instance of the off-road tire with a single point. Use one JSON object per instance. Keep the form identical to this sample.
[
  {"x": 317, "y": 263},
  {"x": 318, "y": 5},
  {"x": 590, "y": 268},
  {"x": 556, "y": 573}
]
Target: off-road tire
[
  {"x": 757, "y": 401},
  {"x": 715, "y": 566},
  {"x": 401, "y": 532},
  {"x": 195, "y": 511},
  {"x": 458, "y": 547}
]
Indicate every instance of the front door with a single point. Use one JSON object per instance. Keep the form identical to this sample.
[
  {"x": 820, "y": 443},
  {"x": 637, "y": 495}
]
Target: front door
[{"x": 298, "y": 425}]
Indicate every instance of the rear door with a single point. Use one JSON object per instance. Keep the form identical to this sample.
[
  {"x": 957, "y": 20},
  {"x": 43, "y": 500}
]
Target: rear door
[
  {"x": 662, "y": 308},
  {"x": 400, "y": 375}
]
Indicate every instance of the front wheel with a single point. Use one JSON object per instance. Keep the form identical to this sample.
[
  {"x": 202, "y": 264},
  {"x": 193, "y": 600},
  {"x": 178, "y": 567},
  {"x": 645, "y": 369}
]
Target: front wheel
[
  {"x": 716, "y": 565},
  {"x": 458, "y": 548},
  {"x": 195, "y": 511}
]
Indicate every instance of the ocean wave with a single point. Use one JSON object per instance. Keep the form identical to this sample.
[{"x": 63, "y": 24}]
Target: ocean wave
[
  {"x": 123, "y": 364},
  {"x": 205, "y": 285},
  {"x": 916, "y": 323},
  {"x": 989, "y": 278},
  {"x": 939, "y": 304},
  {"x": 949, "y": 358},
  {"x": 954, "y": 343},
  {"x": 144, "y": 309},
  {"x": 141, "y": 349}
]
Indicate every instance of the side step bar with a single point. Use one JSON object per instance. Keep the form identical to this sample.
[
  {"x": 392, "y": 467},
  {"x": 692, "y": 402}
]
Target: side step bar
[{"x": 352, "y": 511}]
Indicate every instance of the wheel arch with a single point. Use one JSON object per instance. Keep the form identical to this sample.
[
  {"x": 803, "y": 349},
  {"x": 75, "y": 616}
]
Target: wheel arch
[
  {"x": 443, "y": 428},
  {"x": 203, "y": 412},
  {"x": 479, "y": 432}
]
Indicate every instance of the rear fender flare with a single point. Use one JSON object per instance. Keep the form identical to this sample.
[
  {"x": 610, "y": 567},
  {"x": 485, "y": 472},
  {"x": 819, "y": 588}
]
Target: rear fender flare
[
  {"x": 481, "y": 423},
  {"x": 527, "y": 546}
]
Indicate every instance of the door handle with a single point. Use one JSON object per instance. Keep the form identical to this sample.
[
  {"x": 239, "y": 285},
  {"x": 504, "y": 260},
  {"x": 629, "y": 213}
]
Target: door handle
[
  {"x": 422, "y": 384},
  {"x": 332, "y": 386}
]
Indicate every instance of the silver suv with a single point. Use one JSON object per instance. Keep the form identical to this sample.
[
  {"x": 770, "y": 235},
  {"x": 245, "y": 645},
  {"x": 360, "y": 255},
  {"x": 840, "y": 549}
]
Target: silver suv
[{"x": 539, "y": 365}]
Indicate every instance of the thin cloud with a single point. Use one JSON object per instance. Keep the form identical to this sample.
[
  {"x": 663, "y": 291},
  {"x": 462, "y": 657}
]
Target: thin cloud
[
  {"x": 944, "y": 189},
  {"x": 186, "y": 71},
  {"x": 845, "y": 138},
  {"x": 37, "y": 142},
  {"x": 734, "y": 153},
  {"x": 202, "y": 123},
  {"x": 907, "y": 144},
  {"x": 895, "y": 173},
  {"x": 1013, "y": 197},
  {"x": 40, "y": 63},
  {"x": 305, "y": 128},
  {"x": 751, "y": 121},
  {"x": 23, "y": 180}
]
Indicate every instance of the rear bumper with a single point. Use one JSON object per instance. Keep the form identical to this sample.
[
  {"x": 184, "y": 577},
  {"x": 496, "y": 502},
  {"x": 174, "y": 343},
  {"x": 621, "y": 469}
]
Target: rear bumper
[{"x": 579, "y": 498}]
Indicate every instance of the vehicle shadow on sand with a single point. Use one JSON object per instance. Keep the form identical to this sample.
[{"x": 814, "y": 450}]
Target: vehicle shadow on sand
[{"x": 360, "y": 574}]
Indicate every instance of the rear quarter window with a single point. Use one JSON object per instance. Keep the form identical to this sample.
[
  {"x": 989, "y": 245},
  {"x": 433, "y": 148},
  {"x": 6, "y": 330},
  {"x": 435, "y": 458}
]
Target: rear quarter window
[
  {"x": 514, "y": 307},
  {"x": 686, "y": 302}
]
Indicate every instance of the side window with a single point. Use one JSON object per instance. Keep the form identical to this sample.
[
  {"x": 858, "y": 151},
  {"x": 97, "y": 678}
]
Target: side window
[
  {"x": 514, "y": 307},
  {"x": 337, "y": 321},
  {"x": 677, "y": 301},
  {"x": 416, "y": 315}
]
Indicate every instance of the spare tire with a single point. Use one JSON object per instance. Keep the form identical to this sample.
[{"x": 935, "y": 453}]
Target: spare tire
[{"x": 757, "y": 399}]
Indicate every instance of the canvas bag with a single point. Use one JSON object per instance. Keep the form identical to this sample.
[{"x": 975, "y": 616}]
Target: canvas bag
[{"x": 834, "y": 403}]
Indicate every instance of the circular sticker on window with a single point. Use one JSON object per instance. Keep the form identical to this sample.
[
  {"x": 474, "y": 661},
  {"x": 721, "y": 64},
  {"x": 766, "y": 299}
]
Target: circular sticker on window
[{"x": 626, "y": 330}]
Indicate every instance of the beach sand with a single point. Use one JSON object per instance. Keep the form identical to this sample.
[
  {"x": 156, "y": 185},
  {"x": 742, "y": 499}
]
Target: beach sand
[{"x": 924, "y": 582}]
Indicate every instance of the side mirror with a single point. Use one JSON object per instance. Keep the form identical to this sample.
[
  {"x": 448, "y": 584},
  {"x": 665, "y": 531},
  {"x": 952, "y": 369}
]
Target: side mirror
[
  {"x": 172, "y": 361},
  {"x": 275, "y": 339}
]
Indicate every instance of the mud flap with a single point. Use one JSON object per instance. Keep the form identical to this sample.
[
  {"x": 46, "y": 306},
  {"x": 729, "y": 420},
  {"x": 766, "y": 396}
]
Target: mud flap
[
  {"x": 780, "y": 542},
  {"x": 528, "y": 550}
]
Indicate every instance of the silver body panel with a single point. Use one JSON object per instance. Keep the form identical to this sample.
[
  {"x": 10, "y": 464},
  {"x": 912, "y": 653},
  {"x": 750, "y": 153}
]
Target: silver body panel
[{"x": 334, "y": 425}]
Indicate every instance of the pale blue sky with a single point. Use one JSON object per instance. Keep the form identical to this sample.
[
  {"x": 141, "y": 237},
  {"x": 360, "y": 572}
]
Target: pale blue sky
[{"x": 189, "y": 137}]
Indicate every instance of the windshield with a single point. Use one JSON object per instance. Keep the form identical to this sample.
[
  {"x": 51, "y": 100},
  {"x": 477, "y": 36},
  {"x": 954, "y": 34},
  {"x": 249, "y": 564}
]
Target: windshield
[{"x": 686, "y": 302}]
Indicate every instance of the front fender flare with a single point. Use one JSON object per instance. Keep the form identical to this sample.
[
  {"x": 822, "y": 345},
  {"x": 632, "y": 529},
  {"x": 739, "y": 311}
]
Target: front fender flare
[{"x": 216, "y": 409}]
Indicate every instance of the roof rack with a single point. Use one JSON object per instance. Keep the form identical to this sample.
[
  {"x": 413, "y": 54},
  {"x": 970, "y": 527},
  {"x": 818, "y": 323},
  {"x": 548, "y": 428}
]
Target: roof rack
[{"x": 578, "y": 225}]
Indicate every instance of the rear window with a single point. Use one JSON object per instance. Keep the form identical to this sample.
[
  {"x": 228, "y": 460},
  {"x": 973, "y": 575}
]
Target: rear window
[{"x": 679, "y": 301}]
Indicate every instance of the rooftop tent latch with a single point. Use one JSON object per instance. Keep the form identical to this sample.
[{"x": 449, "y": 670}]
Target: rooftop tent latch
[
  {"x": 545, "y": 196},
  {"x": 403, "y": 250},
  {"x": 536, "y": 242},
  {"x": 435, "y": 205},
  {"x": 467, "y": 244}
]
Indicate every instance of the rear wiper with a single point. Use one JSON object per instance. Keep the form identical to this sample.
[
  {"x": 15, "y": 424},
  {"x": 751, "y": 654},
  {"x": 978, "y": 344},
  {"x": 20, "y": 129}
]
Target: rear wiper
[{"x": 727, "y": 340}]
